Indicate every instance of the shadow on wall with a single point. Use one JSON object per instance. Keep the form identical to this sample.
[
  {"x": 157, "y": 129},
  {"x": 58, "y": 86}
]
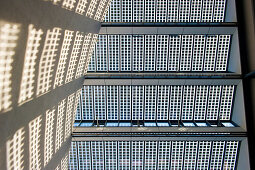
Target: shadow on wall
[{"x": 39, "y": 72}]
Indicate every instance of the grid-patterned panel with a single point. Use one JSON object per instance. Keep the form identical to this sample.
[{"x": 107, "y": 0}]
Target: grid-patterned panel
[
  {"x": 222, "y": 53},
  {"x": 230, "y": 155},
  {"x": 207, "y": 13},
  {"x": 161, "y": 11},
  {"x": 126, "y": 9},
  {"x": 47, "y": 61},
  {"x": 177, "y": 153},
  {"x": 87, "y": 103},
  {"x": 73, "y": 162},
  {"x": 92, "y": 64},
  {"x": 90, "y": 52},
  {"x": 203, "y": 157},
  {"x": 149, "y": 10},
  {"x": 112, "y": 103},
  {"x": 74, "y": 56},
  {"x": 84, "y": 155},
  {"x": 174, "y": 52},
  {"x": 63, "y": 58},
  {"x": 138, "y": 52},
  {"x": 150, "y": 162},
  {"x": 217, "y": 154},
  {"x": 60, "y": 124},
  {"x": 76, "y": 102},
  {"x": 84, "y": 56},
  {"x": 124, "y": 155},
  {"x": 138, "y": 10},
  {"x": 125, "y": 52},
  {"x": 125, "y": 102},
  {"x": 137, "y": 155},
  {"x": 78, "y": 115},
  {"x": 14, "y": 151},
  {"x": 184, "y": 10},
  {"x": 149, "y": 52},
  {"x": 213, "y": 103},
  {"x": 69, "y": 115},
  {"x": 186, "y": 52},
  {"x": 31, "y": 55},
  {"x": 150, "y": 102},
  {"x": 195, "y": 12},
  {"x": 113, "y": 45},
  {"x": 173, "y": 8},
  {"x": 175, "y": 103},
  {"x": 188, "y": 102},
  {"x": 111, "y": 154},
  {"x": 163, "y": 102},
  {"x": 100, "y": 102},
  {"x": 162, "y": 52},
  {"x": 48, "y": 138},
  {"x": 101, "y": 53},
  {"x": 210, "y": 53},
  {"x": 137, "y": 102},
  {"x": 190, "y": 155},
  {"x": 164, "y": 151},
  {"x": 115, "y": 11},
  {"x": 226, "y": 102},
  {"x": 198, "y": 53},
  {"x": 201, "y": 102},
  {"x": 8, "y": 40},
  {"x": 34, "y": 143},
  {"x": 219, "y": 10},
  {"x": 97, "y": 150}
]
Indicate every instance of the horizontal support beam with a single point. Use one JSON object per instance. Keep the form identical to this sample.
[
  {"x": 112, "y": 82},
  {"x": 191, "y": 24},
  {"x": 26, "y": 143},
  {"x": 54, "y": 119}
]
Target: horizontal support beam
[
  {"x": 161, "y": 81},
  {"x": 168, "y": 29},
  {"x": 158, "y": 75},
  {"x": 159, "y": 129},
  {"x": 158, "y": 132},
  {"x": 115, "y": 138}
]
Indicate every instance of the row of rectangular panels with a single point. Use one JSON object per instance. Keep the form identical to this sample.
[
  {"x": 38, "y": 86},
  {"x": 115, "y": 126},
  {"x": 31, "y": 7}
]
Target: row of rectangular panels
[
  {"x": 161, "y": 53},
  {"x": 152, "y": 155},
  {"x": 162, "y": 11},
  {"x": 162, "y": 102}
]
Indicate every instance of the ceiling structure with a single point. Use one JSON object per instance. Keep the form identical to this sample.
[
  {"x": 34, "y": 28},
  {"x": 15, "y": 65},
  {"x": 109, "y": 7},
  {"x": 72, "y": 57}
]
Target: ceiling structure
[
  {"x": 164, "y": 89},
  {"x": 169, "y": 84}
]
